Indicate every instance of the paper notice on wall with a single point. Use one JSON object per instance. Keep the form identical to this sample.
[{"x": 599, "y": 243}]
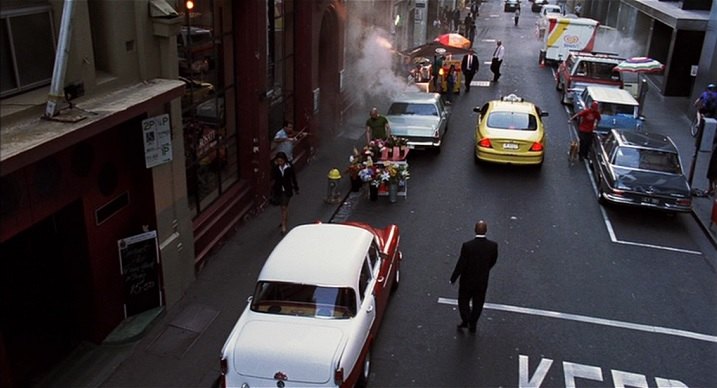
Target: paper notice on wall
[{"x": 157, "y": 133}]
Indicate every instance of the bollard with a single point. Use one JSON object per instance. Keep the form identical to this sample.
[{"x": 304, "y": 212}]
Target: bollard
[{"x": 332, "y": 189}]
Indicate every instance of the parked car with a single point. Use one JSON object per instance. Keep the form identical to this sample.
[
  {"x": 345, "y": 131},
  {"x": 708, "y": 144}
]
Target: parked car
[
  {"x": 618, "y": 108},
  {"x": 510, "y": 131},
  {"x": 547, "y": 10},
  {"x": 640, "y": 169},
  {"x": 195, "y": 91},
  {"x": 195, "y": 50},
  {"x": 316, "y": 309},
  {"x": 538, "y": 5},
  {"x": 511, "y": 5},
  {"x": 581, "y": 69},
  {"x": 420, "y": 118}
]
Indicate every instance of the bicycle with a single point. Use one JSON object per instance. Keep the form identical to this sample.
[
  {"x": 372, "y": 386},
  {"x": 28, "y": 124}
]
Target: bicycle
[{"x": 695, "y": 124}]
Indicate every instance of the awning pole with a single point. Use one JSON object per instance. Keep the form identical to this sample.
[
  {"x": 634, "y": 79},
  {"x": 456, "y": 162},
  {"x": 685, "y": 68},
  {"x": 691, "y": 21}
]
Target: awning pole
[{"x": 57, "y": 94}]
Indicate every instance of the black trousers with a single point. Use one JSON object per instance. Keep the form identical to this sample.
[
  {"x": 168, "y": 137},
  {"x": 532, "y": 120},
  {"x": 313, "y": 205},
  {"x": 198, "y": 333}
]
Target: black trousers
[
  {"x": 469, "y": 78},
  {"x": 586, "y": 140},
  {"x": 495, "y": 68},
  {"x": 470, "y": 314}
]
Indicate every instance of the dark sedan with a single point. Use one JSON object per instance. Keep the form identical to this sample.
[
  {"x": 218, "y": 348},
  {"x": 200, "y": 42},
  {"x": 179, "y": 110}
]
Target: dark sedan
[
  {"x": 538, "y": 5},
  {"x": 641, "y": 169},
  {"x": 511, "y": 5}
]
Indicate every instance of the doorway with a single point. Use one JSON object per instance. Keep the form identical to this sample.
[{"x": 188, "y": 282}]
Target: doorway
[{"x": 43, "y": 287}]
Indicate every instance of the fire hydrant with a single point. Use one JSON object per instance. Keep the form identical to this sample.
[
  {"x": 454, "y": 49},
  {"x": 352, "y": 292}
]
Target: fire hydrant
[{"x": 332, "y": 190}]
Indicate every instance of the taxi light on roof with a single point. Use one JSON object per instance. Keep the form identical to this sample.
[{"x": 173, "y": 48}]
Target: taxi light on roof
[
  {"x": 485, "y": 143},
  {"x": 536, "y": 147}
]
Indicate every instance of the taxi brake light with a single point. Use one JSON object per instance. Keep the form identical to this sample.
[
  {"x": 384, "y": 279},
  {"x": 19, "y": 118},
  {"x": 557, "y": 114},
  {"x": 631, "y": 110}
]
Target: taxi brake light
[
  {"x": 536, "y": 147},
  {"x": 485, "y": 143}
]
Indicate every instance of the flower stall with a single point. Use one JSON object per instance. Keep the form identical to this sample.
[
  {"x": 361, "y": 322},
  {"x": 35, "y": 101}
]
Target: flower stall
[{"x": 383, "y": 165}]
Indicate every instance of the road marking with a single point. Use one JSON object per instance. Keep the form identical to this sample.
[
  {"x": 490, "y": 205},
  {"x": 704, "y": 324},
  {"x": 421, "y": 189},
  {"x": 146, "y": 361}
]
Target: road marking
[
  {"x": 480, "y": 83},
  {"x": 593, "y": 320},
  {"x": 606, "y": 220}
]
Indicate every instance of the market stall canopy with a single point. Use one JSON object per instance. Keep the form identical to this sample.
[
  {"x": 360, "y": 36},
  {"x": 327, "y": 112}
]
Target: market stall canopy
[
  {"x": 429, "y": 50},
  {"x": 640, "y": 65},
  {"x": 454, "y": 40}
]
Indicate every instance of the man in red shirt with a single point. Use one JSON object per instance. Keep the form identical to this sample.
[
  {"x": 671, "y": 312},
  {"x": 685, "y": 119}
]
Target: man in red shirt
[{"x": 589, "y": 118}]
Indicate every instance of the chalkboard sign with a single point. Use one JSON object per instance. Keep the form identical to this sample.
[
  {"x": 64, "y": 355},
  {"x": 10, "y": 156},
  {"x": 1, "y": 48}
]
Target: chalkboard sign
[{"x": 139, "y": 259}]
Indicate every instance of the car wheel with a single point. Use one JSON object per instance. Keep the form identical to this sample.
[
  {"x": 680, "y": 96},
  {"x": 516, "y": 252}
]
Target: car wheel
[
  {"x": 601, "y": 199},
  {"x": 365, "y": 371}
]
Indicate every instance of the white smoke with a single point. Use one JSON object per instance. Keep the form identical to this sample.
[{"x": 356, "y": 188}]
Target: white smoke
[{"x": 370, "y": 63}]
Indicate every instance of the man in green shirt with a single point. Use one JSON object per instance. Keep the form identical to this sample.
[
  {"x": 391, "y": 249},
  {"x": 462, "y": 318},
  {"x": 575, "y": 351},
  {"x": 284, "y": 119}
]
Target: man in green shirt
[{"x": 377, "y": 126}]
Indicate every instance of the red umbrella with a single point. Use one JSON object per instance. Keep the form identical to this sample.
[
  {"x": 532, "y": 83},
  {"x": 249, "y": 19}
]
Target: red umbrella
[
  {"x": 454, "y": 40},
  {"x": 429, "y": 50}
]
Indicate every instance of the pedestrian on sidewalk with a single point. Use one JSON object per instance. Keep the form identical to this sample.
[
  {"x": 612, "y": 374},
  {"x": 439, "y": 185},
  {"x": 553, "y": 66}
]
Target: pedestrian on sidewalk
[
  {"x": 517, "y": 16},
  {"x": 285, "y": 139},
  {"x": 589, "y": 119},
  {"x": 456, "y": 19},
  {"x": 450, "y": 84},
  {"x": 497, "y": 60},
  {"x": 476, "y": 259},
  {"x": 285, "y": 186},
  {"x": 472, "y": 33},
  {"x": 377, "y": 126}
]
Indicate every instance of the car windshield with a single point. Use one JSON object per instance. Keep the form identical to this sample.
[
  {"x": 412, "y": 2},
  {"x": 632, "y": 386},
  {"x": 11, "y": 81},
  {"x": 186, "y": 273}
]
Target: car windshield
[
  {"x": 512, "y": 120},
  {"x": 604, "y": 71},
  {"x": 403, "y": 108},
  {"x": 646, "y": 159},
  {"x": 616, "y": 109},
  {"x": 304, "y": 300}
]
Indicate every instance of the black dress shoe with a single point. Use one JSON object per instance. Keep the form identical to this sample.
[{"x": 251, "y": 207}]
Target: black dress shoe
[{"x": 462, "y": 325}]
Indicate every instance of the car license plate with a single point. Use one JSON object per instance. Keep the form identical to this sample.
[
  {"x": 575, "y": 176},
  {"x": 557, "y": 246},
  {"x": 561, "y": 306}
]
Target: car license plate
[
  {"x": 510, "y": 146},
  {"x": 653, "y": 201}
]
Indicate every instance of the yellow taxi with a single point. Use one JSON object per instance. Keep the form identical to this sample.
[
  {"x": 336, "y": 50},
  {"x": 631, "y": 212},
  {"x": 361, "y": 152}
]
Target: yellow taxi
[{"x": 510, "y": 131}]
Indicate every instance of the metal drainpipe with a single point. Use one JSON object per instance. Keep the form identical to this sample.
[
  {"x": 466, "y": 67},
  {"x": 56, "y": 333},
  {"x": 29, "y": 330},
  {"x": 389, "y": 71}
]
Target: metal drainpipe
[{"x": 63, "y": 50}]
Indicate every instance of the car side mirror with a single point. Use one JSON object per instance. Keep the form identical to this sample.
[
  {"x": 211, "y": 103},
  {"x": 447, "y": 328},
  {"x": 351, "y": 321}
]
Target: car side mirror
[
  {"x": 476, "y": 109},
  {"x": 249, "y": 299},
  {"x": 544, "y": 114}
]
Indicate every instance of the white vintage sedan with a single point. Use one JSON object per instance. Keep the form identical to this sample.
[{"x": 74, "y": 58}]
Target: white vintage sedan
[{"x": 316, "y": 309}]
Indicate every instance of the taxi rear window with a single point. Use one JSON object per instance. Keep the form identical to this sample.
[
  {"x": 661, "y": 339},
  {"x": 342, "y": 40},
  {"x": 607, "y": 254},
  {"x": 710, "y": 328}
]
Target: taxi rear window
[{"x": 512, "y": 120}]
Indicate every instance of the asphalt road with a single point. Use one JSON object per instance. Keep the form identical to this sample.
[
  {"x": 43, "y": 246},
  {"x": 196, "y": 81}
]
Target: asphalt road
[{"x": 581, "y": 296}]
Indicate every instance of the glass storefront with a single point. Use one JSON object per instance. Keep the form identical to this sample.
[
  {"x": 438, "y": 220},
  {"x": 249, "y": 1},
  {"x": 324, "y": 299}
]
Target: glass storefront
[
  {"x": 209, "y": 130},
  {"x": 280, "y": 48}
]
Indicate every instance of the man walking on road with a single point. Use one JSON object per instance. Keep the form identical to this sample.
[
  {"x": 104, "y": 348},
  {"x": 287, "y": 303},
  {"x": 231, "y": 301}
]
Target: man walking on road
[
  {"x": 589, "y": 119},
  {"x": 477, "y": 257},
  {"x": 497, "y": 60},
  {"x": 469, "y": 66}
]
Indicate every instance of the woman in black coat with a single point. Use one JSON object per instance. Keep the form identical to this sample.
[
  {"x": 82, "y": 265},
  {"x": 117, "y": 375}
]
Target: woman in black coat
[{"x": 285, "y": 186}]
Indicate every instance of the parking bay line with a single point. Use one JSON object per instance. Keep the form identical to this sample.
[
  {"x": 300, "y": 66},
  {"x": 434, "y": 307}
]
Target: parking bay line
[
  {"x": 593, "y": 320},
  {"x": 607, "y": 222}
]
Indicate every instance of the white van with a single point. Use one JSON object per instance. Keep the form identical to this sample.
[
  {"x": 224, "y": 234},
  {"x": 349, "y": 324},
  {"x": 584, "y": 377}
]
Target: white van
[{"x": 550, "y": 9}]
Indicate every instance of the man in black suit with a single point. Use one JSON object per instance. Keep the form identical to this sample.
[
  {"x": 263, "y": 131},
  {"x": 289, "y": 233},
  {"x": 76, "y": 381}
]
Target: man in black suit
[
  {"x": 477, "y": 257},
  {"x": 469, "y": 66}
]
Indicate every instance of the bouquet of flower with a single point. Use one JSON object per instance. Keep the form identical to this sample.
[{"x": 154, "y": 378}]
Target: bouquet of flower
[
  {"x": 393, "y": 141},
  {"x": 395, "y": 172}
]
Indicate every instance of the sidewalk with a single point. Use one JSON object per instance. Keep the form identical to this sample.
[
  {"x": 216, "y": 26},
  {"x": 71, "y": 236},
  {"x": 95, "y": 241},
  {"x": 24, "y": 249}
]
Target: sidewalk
[
  {"x": 669, "y": 116},
  {"x": 169, "y": 344}
]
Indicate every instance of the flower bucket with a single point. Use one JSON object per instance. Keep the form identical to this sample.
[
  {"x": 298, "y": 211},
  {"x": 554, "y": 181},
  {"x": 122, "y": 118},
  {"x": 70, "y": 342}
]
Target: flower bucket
[{"x": 393, "y": 192}]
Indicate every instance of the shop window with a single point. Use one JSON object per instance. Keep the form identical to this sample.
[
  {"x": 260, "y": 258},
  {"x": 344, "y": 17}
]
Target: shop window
[
  {"x": 27, "y": 48},
  {"x": 280, "y": 34}
]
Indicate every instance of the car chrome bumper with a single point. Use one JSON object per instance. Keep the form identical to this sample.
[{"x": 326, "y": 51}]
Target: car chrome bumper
[
  {"x": 423, "y": 144},
  {"x": 660, "y": 205},
  {"x": 505, "y": 158}
]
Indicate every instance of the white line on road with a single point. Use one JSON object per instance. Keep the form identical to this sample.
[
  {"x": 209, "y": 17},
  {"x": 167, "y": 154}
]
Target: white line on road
[{"x": 597, "y": 321}]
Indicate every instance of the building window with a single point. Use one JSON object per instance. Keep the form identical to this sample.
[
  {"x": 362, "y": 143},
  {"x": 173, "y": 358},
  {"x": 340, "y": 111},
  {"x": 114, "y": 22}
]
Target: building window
[
  {"x": 280, "y": 55},
  {"x": 27, "y": 48},
  {"x": 210, "y": 140}
]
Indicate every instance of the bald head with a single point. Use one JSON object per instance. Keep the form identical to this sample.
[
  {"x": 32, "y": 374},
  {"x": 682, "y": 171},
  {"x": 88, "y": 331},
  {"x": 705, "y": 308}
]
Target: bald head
[
  {"x": 481, "y": 227},
  {"x": 374, "y": 112}
]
